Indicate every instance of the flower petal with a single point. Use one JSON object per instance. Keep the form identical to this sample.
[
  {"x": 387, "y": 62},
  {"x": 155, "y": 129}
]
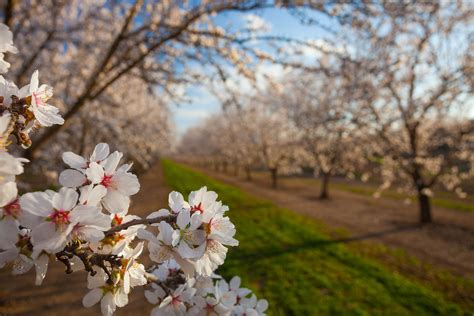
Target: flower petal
[
  {"x": 95, "y": 173},
  {"x": 71, "y": 178},
  {"x": 101, "y": 151},
  {"x": 66, "y": 199},
  {"x": 41, "y": 266},
  {"x": 74, "y": 161},
  {"x": 92, "y": 298},
  {"x": 36, "y": 203}
]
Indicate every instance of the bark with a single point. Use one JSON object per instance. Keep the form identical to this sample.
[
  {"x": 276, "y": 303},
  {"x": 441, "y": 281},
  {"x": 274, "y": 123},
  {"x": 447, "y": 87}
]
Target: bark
[
  {"x": 324, "y": 193},
  {"x": 425, "y": 208},
  {"x": 8, "y": 13},
  {"x": 82, "y": 143},
  {"x": 274, "y": 174},
  {"x": 248, "y": 173},
  {"x": 236, "y": 170}
]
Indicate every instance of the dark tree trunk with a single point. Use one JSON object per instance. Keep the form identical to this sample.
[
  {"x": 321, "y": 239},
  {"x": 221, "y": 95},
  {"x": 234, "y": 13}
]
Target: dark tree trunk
[
  {"x": 8, "y": 13},
  {"x": 425, "y": 208},
  {"x": 224, "y": 167},
  {"x": 236, "y": 171},
  {"x": 274, "y": 173},
  {"x": 324, "y": 193},
  {"x": 248, "y": 174}
]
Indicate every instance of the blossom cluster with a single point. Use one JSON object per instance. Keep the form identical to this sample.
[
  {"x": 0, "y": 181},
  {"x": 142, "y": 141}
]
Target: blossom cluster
[
  {"x": 198, "y": 238},
  {"x": 85, "y": 224},
  {"x": 210, "y": 295}
]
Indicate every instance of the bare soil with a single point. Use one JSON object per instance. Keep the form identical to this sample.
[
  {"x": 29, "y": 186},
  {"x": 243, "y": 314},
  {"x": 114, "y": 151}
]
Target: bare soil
[
  {"x": 447, "y": 243},
  {"x": 62, "y": 294}
]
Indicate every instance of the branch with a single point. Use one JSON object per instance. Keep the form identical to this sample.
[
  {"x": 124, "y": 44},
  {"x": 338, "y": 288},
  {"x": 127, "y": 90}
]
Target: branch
[
  {"x": 146, "y": 221},
  {"x": 88, "y": 258}
]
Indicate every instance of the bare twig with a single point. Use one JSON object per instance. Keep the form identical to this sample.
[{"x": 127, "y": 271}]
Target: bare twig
[{"x": 146, "y": 221}]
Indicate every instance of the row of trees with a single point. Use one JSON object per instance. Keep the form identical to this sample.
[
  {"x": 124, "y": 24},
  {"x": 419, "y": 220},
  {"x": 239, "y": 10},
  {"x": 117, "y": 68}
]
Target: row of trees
[
  {"x": 390, "y": 102},
  {"x": 117, "y": 66}
]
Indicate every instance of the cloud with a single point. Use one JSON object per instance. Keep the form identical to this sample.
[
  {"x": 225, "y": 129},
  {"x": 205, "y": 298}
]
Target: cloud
[{"x": 257, "y": 24}]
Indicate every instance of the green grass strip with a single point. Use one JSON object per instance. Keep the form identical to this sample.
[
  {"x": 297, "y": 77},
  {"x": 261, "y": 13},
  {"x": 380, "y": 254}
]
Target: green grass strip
[{"x": 286, "y": 259}]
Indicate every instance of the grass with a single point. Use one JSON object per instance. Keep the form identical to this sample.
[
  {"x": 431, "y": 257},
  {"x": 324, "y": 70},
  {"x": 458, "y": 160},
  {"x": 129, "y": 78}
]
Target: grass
[
  {"x": 454, "y": 288},
  {"x": 285, "y": 258},
  {"x": 441, "y": 199},
  {"x": 445, "y": 202}
]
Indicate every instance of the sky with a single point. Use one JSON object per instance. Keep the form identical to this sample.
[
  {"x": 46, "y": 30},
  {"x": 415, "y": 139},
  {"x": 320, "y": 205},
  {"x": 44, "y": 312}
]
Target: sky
[{"x": 202, "y": 102}]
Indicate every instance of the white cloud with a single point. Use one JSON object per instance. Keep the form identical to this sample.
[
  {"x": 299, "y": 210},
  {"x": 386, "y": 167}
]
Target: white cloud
[{"x": 257, "y": 24}]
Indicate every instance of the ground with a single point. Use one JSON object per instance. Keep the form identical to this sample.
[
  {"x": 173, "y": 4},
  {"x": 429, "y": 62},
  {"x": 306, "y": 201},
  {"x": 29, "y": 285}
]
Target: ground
[
  {"x": 447, "y": 242},
  {"x": 288, "y": 263},
  {"x": 291, "y": 260}
]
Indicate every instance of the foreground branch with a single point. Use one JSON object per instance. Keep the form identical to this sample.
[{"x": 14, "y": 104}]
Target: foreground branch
[{"x": 146, "y": 221}]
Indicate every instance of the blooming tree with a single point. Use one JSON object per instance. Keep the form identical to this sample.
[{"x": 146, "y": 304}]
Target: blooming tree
[
  {"x": 260, "y": 134},
  {"x": 332, "y": 143},
  {"x": 210, "y": 141},
  {"x": 87, "y": 46},
  {"x": 409, "y": 79},
  {"x": 85, "y": 225}
]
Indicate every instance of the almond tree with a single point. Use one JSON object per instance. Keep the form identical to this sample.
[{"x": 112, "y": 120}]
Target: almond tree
[
  {"x": 320, "y": 107},
  {"x": 411, "y": 84},
  {"x": 90, "y": 45},
  {"x": 276, "y": 138}
]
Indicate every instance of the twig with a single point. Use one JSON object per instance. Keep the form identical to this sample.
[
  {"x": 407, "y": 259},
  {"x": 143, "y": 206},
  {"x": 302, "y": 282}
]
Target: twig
[{"x": 146, "y": 221}]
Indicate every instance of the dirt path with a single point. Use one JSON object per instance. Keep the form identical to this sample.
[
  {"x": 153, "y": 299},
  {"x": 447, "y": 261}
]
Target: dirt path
[
  {"x": 448, "y": 243},
  {"x": 62, "y": 294}
]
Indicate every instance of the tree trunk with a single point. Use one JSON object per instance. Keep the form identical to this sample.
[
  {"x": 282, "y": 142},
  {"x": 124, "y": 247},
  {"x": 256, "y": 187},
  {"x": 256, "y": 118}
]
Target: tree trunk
[
  {"x": 324, "y": 193},
  {"x": 236, "y": 171},
  {"x": 248, "y": 173},
  {"x": 425, "y": 208},
  {"x": 274, "y": 173},
  {"x": 8, "y": 13}
]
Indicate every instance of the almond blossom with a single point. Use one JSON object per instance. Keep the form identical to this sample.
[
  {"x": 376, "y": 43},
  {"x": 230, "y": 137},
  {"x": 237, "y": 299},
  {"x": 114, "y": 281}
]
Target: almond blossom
[
  {"x": 6, "y": 45},
  {"x": 45, "y": 114},
  {"x": 117, "y": 242},
  {"x": 166, "y": 269},
  {"x": 61, "y": 219},
  {"x": 202, "y": 232},
  {"x": 191, "y": 239},
  {"x": 200, "y": 295},
  {"x": 176, "y": 303},
  {"x": 5, "y": 120},
  {"x": 22, "y": 259},
  {"x": 120, "y": 183},
  {"x": 251, "y": 307},
  {"x": 163, "y": 246},
  {"x": 113, "y": 292},
  {"x": 9, "y": 212},
  {"x": 79, "y": 163},
  {"x": 102, "y": 170},
  {"x": 10, "y": 167}
]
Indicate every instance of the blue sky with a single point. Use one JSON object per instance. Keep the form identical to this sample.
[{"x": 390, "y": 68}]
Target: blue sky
[
  {"x": 202, "y": 102},
  {"x": 282, "y": 23}
]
